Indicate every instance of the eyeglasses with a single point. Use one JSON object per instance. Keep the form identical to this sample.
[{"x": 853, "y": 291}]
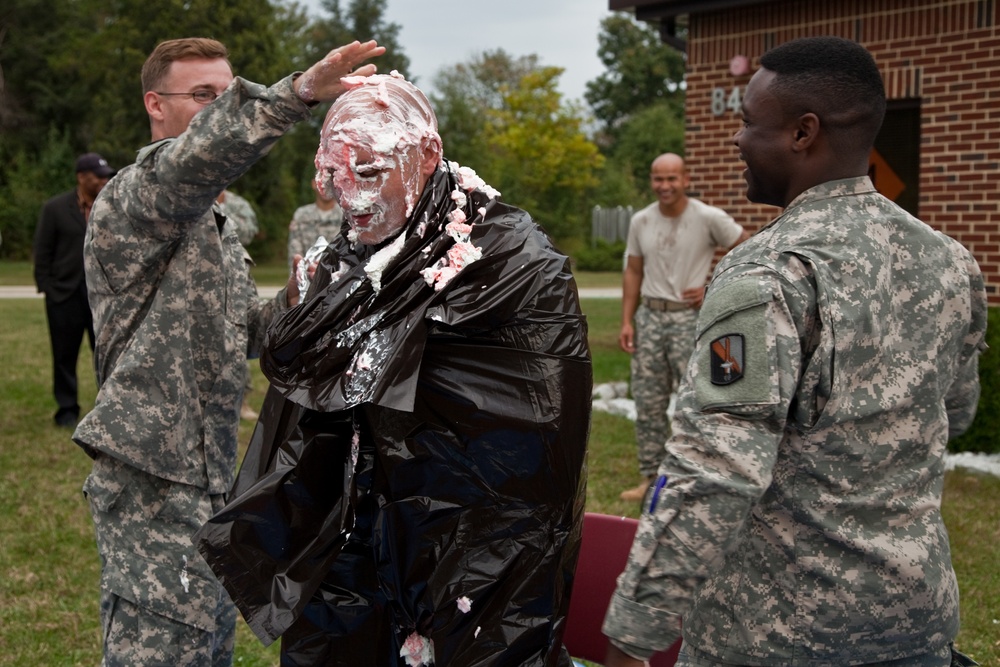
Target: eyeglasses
[{"x": 199, "y": 96}]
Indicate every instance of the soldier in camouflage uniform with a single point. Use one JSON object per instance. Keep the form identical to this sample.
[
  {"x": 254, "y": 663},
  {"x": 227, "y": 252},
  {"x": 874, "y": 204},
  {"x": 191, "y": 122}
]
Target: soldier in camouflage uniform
[
  {"x": 242, "y": 218},
  {"x": 175, "y": 312},
  {"x": 796, "y": 519},
  {"x": 670, "y": 247},
  {"x": 321, "y": 218},
  {"x": 240, "y": 214}
]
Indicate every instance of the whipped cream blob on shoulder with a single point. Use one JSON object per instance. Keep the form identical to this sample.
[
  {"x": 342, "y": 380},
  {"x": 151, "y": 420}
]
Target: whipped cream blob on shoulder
[{"x": 378, "y": 147}]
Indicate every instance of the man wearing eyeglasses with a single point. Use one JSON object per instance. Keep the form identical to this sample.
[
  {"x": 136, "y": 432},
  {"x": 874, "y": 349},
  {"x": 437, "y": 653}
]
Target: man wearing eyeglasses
[{"x": 175, "y": 316}]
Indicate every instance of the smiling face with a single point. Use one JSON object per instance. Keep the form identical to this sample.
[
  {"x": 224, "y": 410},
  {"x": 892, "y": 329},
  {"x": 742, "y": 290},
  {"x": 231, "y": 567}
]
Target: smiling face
[
  {"x": 378, "y": 147},
  {"x": 764, "y": 141},
  {"x": 669, "y": 180}
]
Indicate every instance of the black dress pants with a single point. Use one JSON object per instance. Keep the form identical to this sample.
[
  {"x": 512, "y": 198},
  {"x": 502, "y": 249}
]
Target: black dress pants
[{"x": 68, "y": 321}]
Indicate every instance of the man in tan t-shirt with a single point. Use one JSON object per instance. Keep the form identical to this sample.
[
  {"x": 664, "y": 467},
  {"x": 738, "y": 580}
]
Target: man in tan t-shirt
[{"x": 671, "y": 244}]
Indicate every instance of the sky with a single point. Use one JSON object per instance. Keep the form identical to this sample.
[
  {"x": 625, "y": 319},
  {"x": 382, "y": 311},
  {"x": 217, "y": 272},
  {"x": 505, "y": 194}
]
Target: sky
[{"x": 440, "y": 33}]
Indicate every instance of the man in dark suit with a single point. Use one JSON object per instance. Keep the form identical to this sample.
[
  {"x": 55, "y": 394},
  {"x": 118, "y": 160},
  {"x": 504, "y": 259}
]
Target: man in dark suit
[{"x": 59, "y": 275}]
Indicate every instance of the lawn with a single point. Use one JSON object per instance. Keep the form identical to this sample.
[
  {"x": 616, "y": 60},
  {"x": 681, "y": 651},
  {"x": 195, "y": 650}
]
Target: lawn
[{"x": 48, "y": 562}]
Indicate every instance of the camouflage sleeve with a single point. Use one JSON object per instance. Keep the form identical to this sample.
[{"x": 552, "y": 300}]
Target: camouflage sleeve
[
  {"x": 260, "y": 314},
  {"x": 239, "y": 211},
  {"x": 962, "y": 398},
  {"x": 295, "y": 244},
  {"x": 729, "y": 422}
]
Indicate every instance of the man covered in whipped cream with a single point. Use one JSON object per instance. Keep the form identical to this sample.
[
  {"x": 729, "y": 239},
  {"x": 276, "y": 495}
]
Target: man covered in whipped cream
[{"x": 414, "y": 488}]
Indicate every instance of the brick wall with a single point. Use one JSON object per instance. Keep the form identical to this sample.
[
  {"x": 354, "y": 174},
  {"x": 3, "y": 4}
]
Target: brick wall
[{"x": 946, "y": 53}]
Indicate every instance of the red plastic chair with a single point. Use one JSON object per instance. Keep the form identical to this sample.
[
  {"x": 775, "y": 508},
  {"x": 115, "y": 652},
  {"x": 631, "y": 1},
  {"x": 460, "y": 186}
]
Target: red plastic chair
[{"x": 603, "y": 554}]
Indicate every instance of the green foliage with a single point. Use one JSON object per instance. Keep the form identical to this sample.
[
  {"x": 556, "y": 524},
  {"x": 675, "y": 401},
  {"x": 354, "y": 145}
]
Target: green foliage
[
  {"x": 982, "y": 435},
  {"x": 640, "y": 101},
  {"x": 503, "y": 117},
  {"x": 30, "y": 180},
  {"x": 647, "y": 133},
  {"x": 539, "y": 157},
  {"x": 601, "y": 256},
  {"x": 466, "y": 93},
  {"x": 361, "y": 20},
  {"x": 641, "y": 71}
]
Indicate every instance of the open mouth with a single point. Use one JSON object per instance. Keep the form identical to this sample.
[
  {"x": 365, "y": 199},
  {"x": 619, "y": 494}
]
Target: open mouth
[{"x": 362, "y": 219}]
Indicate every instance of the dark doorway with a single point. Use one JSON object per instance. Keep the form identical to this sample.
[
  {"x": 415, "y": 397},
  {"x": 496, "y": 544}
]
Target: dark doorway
[{"x": 894, "y": 166}]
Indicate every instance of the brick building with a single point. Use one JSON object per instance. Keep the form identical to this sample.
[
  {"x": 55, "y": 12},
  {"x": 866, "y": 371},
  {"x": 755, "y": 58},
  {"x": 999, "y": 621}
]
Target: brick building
[{"x": 938, "y": 154}]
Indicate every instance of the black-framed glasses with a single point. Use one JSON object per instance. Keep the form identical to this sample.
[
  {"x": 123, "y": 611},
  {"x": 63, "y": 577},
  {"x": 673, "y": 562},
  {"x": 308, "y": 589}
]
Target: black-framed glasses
[{"x": 199, "y": 96}]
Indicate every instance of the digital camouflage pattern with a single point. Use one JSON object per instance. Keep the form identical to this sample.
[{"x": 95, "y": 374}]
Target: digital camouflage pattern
[
  {"x": 664, "y": 341},
  {"x": 241, "y": 216},
  {"x": 150, "y": 566},
  {"x": 175, "y": 313},
  {"x": 676, "y": 254},
  {"x": 175, "y": 308},
  {"x": 800, "y": 524},
  {"x": 308, "y": 223}
]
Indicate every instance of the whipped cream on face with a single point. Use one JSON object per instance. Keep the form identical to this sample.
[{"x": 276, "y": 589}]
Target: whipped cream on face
[
  {"x": 371, "y": 158},
  {"x": 373, "y": 135}
]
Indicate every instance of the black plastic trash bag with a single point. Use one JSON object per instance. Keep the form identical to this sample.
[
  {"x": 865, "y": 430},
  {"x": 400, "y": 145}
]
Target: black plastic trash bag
[{"x": 416, "y": 479}]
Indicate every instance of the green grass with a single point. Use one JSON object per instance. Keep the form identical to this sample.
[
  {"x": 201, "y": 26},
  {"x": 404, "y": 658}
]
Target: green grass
[
  {"x": 16, "y": 273},
  {"x": 49, "y": 565}
]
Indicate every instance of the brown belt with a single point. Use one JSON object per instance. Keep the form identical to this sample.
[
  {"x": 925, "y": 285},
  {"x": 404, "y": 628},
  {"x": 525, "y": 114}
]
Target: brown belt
[{"x": 664, "y": 305}]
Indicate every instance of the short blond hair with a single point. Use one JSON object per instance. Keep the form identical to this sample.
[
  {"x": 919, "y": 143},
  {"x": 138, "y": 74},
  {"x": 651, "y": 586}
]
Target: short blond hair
[{"x": 155, "y": 69}]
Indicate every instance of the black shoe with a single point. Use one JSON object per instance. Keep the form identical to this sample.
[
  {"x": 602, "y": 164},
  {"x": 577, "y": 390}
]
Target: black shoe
[{"x": 66, "y": 420}]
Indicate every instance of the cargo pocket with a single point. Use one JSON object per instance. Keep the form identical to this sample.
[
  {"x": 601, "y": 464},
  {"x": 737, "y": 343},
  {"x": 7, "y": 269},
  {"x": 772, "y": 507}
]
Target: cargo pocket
[{"x": 104, "y": 485}]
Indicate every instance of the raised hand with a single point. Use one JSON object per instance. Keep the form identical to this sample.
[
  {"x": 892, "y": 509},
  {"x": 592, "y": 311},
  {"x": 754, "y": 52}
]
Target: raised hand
[{"x": 321, "y": 82}]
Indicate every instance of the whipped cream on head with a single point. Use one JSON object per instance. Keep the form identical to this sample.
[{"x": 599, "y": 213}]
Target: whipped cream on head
[{"x": 371, "y": 151}]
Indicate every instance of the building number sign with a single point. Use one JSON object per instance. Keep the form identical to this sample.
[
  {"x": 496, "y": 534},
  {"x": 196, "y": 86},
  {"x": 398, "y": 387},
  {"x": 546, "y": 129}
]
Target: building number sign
[{"x": 723, "y": 101}]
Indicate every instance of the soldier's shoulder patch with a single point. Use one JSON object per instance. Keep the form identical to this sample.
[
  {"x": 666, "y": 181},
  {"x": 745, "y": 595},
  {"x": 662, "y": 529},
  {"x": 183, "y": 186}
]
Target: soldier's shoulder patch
[
  {"x": 727, "y": 360},
  {"x": 735, "y": 357}
]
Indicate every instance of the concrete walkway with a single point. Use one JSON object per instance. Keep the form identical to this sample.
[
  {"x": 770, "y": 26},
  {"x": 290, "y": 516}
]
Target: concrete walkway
[{"x": 268, "y": 291}]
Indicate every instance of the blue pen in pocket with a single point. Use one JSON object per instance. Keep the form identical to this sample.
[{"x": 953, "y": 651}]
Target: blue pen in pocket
[{"x": 661, "y": 482}]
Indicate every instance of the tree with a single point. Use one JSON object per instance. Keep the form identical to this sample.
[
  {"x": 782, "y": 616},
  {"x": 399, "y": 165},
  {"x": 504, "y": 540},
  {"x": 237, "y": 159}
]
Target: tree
[
  {"x": 503, "y": 116},
  {"x": 71, "y": 69},
  {"x": 361, "y": 20},
  {"x": 538, "y": 155},
  {"x": 641, "y": 71},
  {"x": 647, "y": 133},
  {"x": 467, "y": 93}
]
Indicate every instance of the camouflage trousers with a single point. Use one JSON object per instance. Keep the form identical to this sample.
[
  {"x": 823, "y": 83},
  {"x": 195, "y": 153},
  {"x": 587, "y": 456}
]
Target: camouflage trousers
[
  {"x": 664, "y": 341},
  {"x": 160, "y": 602},
  {"x": 942, "y": 657}
]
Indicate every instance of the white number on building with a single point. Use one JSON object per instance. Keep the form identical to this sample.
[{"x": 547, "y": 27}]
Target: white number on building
[{"x": 721, "y": 102}]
